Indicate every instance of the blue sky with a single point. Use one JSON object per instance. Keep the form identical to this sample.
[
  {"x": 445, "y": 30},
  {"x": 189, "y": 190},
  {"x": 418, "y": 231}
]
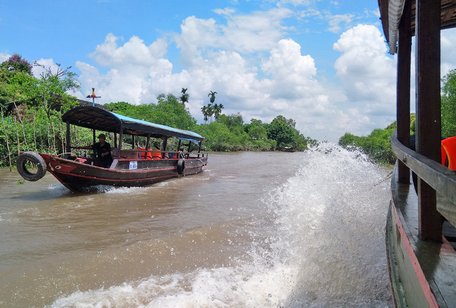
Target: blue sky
[{"x": 322, "y": 63}]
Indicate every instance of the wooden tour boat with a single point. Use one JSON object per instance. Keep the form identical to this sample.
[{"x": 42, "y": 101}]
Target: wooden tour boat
[
  {"x": 138, "y": 166},
  {"x": 420, "y": 230}
]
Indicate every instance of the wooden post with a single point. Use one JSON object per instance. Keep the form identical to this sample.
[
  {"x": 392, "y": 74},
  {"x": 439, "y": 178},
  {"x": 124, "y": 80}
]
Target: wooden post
[
  {"x": 120, "y": 138},
  {"x": 68, "y": 138},
  {"x": 147, "y": 142},
  {"x": 428, "y": 129},
  {"x": 115, "y": 139},
  {"x": 132, "y": 141},
  {"x": 403, "y": 87}
]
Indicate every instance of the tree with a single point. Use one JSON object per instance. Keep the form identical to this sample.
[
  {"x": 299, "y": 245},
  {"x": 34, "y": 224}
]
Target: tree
[
  {"x": 16, "y": 63},
  {"x": 212, "y": 96},
  {"x": 185, "y": 96},
  {"x": 217, "y": 108},
  {"x": 282, "y": 132},
  {"x": 208, "y": 111},
  {"x": 53, "y": 85}
]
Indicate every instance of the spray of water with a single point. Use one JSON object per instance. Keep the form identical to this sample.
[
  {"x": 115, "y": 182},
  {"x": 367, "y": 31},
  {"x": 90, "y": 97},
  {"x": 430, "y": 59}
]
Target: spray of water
[{"x": 319, "y": 243}]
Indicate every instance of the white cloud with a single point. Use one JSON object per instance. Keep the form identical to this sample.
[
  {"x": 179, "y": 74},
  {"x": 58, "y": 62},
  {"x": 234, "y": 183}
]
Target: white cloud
[
  {"x": 366, "y": 72},
  {"x": 4, "y": 57},
  {"x": 336, "y": 22},
  {"x": 448, "y": 46},
  {"x": 44, "y": 64},
  {"x": 224, "y": 57}
]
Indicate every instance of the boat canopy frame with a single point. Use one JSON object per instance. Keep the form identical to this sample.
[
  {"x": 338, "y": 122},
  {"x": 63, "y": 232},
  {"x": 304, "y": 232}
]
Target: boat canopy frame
[{"x": 100, "y": 119}]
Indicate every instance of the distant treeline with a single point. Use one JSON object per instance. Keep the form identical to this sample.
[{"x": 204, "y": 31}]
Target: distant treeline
[
  {"x": 224, "y": 133},
  {"x": 378, "y": 143},
  {"x": 31, "y": 109}
]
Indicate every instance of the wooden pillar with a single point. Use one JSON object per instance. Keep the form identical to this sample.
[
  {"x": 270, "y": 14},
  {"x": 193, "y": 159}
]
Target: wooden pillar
[
  {"x": 403, "y": 87},
  {"x": 115, "y": 140},
  {"x": 147, "y": 142},
  {"x": 428, "y": 129},
  {"x": 132, "y": 141},
  {"x": 120, "y": 138},
  {"x": 164, "y": 145},
  {"x": 68, "y": 138}
]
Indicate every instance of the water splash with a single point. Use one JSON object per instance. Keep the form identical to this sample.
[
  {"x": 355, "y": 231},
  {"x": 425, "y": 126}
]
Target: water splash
[{"x": 318, "y": 243}]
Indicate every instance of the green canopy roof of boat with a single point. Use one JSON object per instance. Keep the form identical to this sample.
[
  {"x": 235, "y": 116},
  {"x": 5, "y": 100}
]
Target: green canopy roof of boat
[{"x": 101, "y": 119}]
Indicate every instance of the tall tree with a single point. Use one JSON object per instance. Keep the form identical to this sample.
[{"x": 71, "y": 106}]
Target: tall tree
[
  {"x": 184, "y": 96},
  {"x": 217, "y": 110},
  {"x": 212, "y": 96}
]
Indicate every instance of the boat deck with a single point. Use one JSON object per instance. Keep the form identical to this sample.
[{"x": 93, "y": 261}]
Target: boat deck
[{"x": 438, "y": 261}]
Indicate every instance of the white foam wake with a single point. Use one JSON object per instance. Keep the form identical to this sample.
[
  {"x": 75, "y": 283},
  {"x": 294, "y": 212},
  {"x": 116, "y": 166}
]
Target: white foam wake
[{"x": 319, "y": 243}]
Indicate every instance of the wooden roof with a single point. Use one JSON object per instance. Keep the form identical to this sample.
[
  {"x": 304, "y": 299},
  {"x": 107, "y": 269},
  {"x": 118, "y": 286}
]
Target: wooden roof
[{"x": 448, "y": 15}]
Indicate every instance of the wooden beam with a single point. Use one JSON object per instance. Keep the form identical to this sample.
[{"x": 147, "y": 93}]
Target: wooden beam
[
  {"x": 428, "y": 130},
  {"x": 403, "y": 87}
]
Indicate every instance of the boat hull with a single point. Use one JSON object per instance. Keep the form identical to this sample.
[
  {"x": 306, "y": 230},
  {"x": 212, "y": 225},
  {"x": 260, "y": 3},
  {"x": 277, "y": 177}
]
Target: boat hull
[
  {"x": 78, "y": 176},
  {"x": 409, "y": 285}
]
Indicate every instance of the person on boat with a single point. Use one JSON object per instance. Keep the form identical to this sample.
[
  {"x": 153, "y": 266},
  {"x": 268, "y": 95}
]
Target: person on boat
[{"x": 102, "y": 151}]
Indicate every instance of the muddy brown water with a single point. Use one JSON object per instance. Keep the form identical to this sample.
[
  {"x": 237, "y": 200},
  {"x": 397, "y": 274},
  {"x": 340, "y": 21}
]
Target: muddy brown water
[{"x": 252, "y": 230}]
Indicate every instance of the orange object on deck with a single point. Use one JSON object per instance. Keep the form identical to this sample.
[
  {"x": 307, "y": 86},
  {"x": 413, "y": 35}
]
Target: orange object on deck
[
  {"x": 156, "y": 154},
  {"x": 449, "y": 152},
  {"x": 144, "y": 154}
]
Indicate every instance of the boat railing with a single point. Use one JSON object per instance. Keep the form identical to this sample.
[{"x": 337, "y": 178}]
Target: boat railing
[
  {"x": 439, "y": 177},
  {"x": 140, "y": 153},
  {"x": 154, "y": 154}
]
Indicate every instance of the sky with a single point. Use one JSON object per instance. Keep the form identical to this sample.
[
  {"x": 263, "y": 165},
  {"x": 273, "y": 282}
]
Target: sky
[{"x": 324, "y": 64}]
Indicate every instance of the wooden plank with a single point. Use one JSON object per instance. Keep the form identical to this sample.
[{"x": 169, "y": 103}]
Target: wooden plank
[{"x": 437, "y": 176}]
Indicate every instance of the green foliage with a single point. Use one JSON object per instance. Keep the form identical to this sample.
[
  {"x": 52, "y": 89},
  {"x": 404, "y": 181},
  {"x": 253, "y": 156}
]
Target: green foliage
[
  {"x": 377, "y": 145},
  {"x": 31, "y": 109},
  {"x": 168, "y": 111},
  {"x": 286, "y": 136},
  {"x": 449, "y": 105},
  {"x": 16, "y": 63}
]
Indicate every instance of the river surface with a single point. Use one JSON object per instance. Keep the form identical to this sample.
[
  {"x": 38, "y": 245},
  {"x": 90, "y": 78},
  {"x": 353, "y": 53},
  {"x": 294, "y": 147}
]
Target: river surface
[{"x": 252, "y": 230}]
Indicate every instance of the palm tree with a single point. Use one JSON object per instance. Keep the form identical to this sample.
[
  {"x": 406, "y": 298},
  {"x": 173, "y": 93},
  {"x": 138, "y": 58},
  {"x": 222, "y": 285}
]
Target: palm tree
[
  {"x": 212, "y": 96},
  {"x": 217, "y": 110},
  {"x": 184, "y": 97},
  {"x": 205, "y": 112}
]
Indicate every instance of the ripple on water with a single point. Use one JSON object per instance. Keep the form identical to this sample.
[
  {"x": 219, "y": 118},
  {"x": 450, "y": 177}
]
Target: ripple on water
[{"x": 317, "y": 241}]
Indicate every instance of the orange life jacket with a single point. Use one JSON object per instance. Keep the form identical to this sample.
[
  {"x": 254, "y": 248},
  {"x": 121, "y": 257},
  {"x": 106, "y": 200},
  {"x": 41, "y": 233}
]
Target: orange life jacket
[{"x": 449, "y": 152}]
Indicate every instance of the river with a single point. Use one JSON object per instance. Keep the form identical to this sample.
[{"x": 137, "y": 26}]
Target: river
[{"x": 252, "y": 230}]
